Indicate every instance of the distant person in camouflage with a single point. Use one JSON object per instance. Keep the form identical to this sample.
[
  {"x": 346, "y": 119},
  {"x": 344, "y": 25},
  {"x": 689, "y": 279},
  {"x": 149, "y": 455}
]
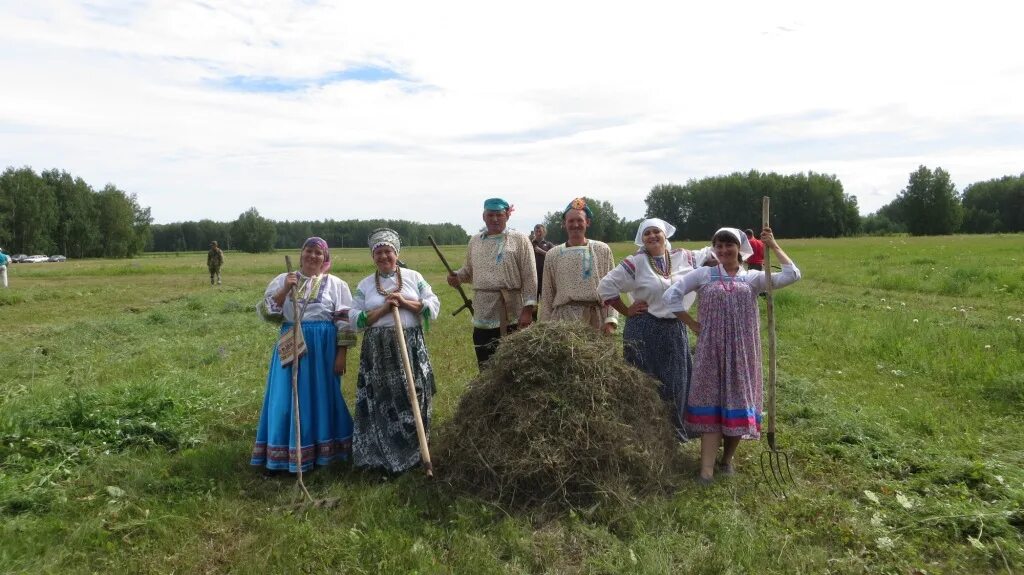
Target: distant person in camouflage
[{"x": 214, "y": 260}]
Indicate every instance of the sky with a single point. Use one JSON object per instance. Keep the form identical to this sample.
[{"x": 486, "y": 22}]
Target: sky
[{"x": 419, "y": 110}]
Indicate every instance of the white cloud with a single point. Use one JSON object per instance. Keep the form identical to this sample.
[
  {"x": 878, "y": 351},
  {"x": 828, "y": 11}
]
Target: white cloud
[{"x": 537, "y": 102}]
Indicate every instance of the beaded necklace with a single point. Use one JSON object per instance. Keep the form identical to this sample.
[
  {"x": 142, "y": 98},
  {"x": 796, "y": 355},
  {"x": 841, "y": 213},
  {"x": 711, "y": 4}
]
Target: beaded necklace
[
  {"x": 667, "y": 274},
  {"x": 398, "y": 279}
]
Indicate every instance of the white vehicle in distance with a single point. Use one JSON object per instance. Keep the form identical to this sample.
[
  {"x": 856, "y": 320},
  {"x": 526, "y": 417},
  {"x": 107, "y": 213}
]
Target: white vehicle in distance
[{"x": 35, "y": 259}]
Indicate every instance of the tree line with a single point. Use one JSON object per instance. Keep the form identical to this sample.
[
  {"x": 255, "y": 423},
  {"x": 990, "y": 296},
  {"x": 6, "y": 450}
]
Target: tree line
[
  {"x": 931, "y": 205},
  {"x": 54, "y": 212},
  {"x": 803, "y": 205},
  {"x": 252, "y": 232}
]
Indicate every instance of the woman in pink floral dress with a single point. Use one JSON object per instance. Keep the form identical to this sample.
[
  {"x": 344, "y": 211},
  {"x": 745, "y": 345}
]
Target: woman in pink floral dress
[{"x": 726, "y": 387}]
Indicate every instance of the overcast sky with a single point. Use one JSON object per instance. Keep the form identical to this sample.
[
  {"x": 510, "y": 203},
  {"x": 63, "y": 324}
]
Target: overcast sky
[{"x": 421, "y": 110}]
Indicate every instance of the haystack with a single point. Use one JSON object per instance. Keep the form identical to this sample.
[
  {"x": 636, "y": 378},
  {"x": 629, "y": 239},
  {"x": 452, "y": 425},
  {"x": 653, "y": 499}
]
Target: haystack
[{"x": 558, "y": 420}]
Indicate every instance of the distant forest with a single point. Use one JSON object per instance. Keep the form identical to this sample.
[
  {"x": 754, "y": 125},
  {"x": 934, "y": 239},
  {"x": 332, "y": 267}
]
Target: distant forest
[{"x": 55, "y": 212}]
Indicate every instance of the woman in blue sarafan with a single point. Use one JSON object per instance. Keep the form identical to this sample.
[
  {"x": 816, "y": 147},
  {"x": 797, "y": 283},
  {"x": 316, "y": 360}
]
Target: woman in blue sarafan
[{"x": 323, "y": 304}]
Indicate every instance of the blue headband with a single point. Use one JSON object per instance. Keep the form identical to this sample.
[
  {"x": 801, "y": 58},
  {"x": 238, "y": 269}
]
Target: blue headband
[{"x": 495, "y": 205}]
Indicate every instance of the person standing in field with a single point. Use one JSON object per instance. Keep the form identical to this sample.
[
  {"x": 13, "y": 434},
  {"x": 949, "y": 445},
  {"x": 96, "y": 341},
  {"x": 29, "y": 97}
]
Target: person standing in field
[
  {"x": 572, "y": 273},
  {"x": 385, "y": 428},
  {"x": 323, "y": 302},
  {"x": 4, "y": 260},
  {"x": 756, "y": 259},
  {"x": 727, "y": 388},
  {"x": 540, "y": 249},
  {"x": 653, "y": 339},
  {"x": 500, "y": 265},
  {"x": 214, "y": 260}
]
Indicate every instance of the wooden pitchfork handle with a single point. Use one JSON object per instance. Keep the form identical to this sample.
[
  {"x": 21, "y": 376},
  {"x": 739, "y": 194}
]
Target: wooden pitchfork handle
[
  {"x": 466, "y": 302},
  {"x": 296, "y": 326},
  {"x": 770, "y": 308},
  {"x": 410, "y": 387}
]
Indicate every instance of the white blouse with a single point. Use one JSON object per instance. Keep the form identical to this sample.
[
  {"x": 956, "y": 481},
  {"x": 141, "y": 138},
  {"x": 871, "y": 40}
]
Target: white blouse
[
  {"x": 321, "y": 295},
  {"x": 414, "y": 288},
  {"x": 636, "y": 277},
  {"x": 675, "y": 296}
]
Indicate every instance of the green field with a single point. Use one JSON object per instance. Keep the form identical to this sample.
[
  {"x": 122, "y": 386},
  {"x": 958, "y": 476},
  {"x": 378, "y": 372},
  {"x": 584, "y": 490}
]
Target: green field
[{"x": 130, "y": 391}]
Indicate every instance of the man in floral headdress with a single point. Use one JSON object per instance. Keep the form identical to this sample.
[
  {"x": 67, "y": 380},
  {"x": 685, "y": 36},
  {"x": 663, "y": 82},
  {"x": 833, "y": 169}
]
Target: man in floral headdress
[
  {"x": 572, "y": 272},
  {"x": 500, "y": 265}
]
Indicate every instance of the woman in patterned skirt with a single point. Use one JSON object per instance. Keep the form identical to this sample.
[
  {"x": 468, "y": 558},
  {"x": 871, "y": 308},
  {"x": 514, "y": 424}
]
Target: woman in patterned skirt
[
  {"x": 385, "y": 431},
  {"x": 654, "y": 340},
  {"x": 726, "y": 387}
]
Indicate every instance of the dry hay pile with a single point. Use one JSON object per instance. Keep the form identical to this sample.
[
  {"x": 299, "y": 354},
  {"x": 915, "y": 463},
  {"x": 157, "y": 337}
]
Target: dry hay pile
[{"x": 558, "y": 421}]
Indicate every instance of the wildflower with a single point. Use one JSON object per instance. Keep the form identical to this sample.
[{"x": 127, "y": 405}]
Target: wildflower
[
  {"x": 872, "y": 496},
  {"x": 915, "y": 320},
  {"x": 876, "y": 519},
  {"x": 904, "y": 501},
  {"x": 887, "y": 307},
  {"x": 988, "y": 347},
  {"x": 903, "y": 303},
  {"x": 883, "y": 299},
  {"x": 1000, "y": 480},
  {"x": 884, "y": 543},
  {"x": 1018, "y": 320}
]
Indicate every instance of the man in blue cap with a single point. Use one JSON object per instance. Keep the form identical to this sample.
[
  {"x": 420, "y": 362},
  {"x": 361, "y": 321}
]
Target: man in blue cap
[{"x": 500, "y": 265}]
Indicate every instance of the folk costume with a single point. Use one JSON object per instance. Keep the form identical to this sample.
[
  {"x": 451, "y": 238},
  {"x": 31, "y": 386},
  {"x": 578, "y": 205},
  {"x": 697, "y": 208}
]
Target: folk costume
[
  {"x": 385, "y": 431},
  {"x": 656, "y": 341},
  {"x": 727, "y": 386},
  {"x": 571, "y": 277},
  {"x": 504, "y": 277},
  {"x": 326, "y": 423}
]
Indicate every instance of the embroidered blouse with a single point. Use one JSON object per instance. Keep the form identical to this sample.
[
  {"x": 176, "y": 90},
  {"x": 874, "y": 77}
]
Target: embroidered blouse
[{"x": 636, "y": 277}]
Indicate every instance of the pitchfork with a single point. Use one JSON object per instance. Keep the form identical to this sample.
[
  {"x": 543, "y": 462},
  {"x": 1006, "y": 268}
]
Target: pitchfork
[{"x": 774, "y": 462}]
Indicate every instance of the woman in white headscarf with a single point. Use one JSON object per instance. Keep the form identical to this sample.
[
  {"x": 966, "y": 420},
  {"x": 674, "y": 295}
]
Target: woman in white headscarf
[
  {"x": 385, "y": 431},
  {"x": 726, "y": 395},
  {"x": 654, "y": 339}
]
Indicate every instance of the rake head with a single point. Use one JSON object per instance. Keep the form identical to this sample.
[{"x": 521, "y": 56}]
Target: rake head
[{"x": 775, "y": 468}]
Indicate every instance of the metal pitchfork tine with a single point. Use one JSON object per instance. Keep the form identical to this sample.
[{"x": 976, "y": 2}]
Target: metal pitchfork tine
[{"x": 774, "y": 462}]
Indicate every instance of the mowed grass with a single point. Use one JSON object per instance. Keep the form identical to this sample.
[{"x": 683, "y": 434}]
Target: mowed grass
[{"x": 130, "y": 391}]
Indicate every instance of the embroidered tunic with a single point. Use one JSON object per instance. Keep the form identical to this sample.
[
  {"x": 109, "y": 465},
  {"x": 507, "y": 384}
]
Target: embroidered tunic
[
  {"x": 726, "y": 388},
  {"x": 571, "y": 277},
  {"x": 494, "y": 263}
]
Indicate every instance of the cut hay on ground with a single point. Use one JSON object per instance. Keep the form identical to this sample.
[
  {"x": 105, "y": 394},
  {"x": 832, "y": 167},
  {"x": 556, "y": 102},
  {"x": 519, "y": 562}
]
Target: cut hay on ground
[{"x": 558, "y": 421}]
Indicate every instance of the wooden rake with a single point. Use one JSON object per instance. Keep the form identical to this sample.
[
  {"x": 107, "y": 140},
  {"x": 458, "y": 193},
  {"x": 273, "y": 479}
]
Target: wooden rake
[
  {"x": 306, "y": 500},
  {"x": 774, "y": 461}
]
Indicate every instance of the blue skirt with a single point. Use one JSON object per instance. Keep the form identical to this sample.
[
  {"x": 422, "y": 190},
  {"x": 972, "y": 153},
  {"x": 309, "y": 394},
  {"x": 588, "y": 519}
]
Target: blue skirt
[
  {"x": 325, "y": 420},
  {"x": 659, "y": 346}
]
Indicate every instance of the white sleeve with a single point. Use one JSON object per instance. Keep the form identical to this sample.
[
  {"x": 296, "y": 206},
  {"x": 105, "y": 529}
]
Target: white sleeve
[
  {"x": 431, "y": 303},
  {"x": 674, "y": 295},
  {"x": 267, "y": 308},
  {"x": 622, "y": 279},
  {"x": 703, "y": 255},
  {"x": 789, "y": 274}
]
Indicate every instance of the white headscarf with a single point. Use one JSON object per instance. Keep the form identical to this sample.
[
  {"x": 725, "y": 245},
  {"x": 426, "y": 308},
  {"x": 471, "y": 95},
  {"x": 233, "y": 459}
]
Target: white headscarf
[
  {"x": 745, "y": 249},
  {"x": 665, "y": 227}
]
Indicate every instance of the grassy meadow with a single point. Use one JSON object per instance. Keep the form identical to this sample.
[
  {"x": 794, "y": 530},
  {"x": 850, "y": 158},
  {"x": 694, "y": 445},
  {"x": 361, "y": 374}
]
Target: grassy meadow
[{"x": 130, "y": 392}]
